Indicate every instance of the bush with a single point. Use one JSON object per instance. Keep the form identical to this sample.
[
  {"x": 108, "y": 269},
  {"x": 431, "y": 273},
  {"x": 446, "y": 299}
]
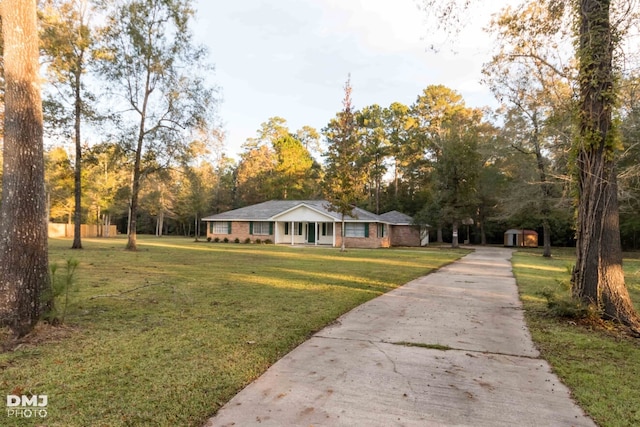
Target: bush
[
  {"x": 258, "y": 241},
  {"x": 236, "y": 240},
  {"x": 209, "y": 239},
  {"x": 268, "y": 242},
  {"x": 247, "y": 240},
  {"x": 59, "y": 294},
  {"x": 225, "y": 240},
  {"x": 563, "y": 305},
  {"x": 216, "y": 240}
]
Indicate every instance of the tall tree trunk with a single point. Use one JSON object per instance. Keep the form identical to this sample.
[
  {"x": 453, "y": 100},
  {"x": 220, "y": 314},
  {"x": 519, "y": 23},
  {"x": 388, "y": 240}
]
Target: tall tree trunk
[
  {"x": 77, "y": 241},
  {"x": 546, "y": 238},
  {"x": 24, "y": 263},
  {"x": 137, "y": 175},
  {"x": 160, "y": 223},
  {"x": 377, "y": 196},
  {"x": 196, "y": 226},
  {"x": 395, "y": 182},
  {"x": 133, "y": 207},
  {"x": 137, "y": 168},
  {"x": 454, "y": 239},
  {"x": 483, "y": 232},
  {"x": 598, "y": 278},
  {"x": 107, "y": 225},
  {"x": 545, "y": 188},
  {"x": 99, "y": 228}
]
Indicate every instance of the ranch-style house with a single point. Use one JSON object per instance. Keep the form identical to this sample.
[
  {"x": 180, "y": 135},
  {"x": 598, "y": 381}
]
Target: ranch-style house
[{"x": 310, "y": 222}]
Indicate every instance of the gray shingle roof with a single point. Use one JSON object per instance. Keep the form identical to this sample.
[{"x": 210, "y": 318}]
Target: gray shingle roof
[
  {"x": 397, "y": 218},
  {"x": 267, "y": 210}
]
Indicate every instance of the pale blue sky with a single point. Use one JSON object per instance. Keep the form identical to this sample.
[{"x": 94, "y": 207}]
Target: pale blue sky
[{"x": 291, "y": 58}]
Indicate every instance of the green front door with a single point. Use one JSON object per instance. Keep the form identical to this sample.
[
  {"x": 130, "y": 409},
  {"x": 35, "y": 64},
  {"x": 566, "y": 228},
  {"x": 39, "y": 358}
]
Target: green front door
[{"x": 311, "y": 233}]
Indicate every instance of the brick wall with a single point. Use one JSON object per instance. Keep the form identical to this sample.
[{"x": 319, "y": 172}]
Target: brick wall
[
  {"x": 405, "y": 235},
  {"x": 240, "y": 231},
  {"x": 371, "y": 242}
]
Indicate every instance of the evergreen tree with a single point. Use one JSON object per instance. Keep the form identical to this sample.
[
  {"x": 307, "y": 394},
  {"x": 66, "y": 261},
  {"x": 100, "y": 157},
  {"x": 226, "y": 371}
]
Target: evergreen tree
[
  {"x": 344, "y": 179},
  {"x": 24, "y": 260}
]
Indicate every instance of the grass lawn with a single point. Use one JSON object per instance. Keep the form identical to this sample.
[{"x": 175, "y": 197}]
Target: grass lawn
[
  {"x": 596, "y": 361},
  {"x": 168, "y": 334}
]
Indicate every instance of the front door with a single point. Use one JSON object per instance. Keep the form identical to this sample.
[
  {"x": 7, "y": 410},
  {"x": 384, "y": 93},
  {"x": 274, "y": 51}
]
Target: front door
[{"x": 311, "y": 233}]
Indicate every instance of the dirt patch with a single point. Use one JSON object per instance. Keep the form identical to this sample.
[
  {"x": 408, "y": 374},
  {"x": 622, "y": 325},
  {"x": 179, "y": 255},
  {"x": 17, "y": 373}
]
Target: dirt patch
[
  {"x": 43, "y": 333},
  {"x": 609, "y": 328}
]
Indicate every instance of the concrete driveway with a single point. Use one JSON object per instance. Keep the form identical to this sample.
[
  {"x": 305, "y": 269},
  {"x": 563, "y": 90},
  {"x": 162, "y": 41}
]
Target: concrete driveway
[{"x": 447, "y": 349}]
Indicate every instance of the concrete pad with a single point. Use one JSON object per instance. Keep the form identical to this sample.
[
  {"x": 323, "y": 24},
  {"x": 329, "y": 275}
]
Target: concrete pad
[{"x": 361, "y": 370}]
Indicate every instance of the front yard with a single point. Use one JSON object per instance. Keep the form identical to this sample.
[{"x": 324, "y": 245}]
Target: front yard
[{"x": 166, "y": 335}]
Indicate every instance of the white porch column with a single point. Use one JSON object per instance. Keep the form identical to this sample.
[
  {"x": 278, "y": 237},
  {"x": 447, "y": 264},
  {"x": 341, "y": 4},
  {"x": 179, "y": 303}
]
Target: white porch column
[
  {"x": 293, "y": 234},
  {"x": 275, "y": 232},
  {"x": 334, "y": 234},
  {"x": 315, "y": 224}
]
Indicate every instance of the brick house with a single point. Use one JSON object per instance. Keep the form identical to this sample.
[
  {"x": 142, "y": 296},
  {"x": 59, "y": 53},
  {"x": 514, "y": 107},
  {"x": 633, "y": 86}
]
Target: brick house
[
  {"x": 404, "y": 232},
  {"x": 310, "y": 222}
]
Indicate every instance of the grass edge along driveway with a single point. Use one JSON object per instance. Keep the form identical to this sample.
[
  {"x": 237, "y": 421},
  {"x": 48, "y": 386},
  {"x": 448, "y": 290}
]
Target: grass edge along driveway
[
  {"x": 599, "y": 363},
  {"x": 166, "y": 335}
]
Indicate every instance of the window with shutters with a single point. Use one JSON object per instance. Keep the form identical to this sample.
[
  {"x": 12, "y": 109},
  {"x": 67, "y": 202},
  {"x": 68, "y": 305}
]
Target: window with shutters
[
  {"x": 327, "y": 229},
  {"x": 297, "y": 228},
  {"x": 261, "y": 228},
  {"x": 220, "y": 227},
  {"x": 356, "y": 229}
]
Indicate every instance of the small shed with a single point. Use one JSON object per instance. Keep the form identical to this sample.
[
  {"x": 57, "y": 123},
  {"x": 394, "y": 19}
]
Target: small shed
[{"x": 521, "y": 237}]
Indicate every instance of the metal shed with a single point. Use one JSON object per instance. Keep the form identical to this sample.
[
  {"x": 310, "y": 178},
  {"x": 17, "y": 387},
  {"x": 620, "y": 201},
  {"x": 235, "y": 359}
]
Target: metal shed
[{"x": 521, "y": 238}]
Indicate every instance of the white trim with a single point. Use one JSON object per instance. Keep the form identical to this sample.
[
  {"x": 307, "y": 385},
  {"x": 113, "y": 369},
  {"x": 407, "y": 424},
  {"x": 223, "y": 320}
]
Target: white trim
[{"x": 331, "y": 218}]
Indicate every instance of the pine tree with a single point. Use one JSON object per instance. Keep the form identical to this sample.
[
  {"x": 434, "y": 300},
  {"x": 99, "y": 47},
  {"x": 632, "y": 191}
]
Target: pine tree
[
  {"x": 24, "y": 262},
  {"x": 344, "y": 180}
]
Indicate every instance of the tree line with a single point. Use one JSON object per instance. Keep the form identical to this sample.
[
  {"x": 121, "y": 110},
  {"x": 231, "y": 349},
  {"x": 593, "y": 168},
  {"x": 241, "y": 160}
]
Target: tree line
[
  {"x": 128, "y": 74},
  {"x": 437, "y": 160}
]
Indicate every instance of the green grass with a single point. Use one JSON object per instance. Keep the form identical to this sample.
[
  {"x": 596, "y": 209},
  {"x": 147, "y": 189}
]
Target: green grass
[
  {"x": 599, "y": 363},
  {"x": 168, "y": 334}
]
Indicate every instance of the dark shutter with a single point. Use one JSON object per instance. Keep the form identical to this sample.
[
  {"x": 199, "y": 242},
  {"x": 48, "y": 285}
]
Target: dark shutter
[
  {"x": 250, "y": 227},
  {"x": 366, "y": 229}
]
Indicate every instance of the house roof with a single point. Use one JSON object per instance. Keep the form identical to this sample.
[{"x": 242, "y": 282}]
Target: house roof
[
  {"x": 397, "y": 218},
  {"x": 268, "y": 211}
]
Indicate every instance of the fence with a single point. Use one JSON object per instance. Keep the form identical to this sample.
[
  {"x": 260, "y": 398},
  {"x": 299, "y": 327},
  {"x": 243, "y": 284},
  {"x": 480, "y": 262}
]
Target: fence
[{"x": 86, "y": 230}]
